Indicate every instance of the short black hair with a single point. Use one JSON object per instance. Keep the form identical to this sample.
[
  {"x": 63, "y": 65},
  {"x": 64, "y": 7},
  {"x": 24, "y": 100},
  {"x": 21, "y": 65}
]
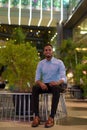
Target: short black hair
[{"x": 48, "y": 45}]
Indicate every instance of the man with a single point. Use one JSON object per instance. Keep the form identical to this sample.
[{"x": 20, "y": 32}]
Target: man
[{"x": 50, "y": 74}]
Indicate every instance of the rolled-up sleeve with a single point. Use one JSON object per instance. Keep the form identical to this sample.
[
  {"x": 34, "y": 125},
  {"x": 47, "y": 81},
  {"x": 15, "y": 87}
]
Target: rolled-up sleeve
[{"x": 62, "y": 72}]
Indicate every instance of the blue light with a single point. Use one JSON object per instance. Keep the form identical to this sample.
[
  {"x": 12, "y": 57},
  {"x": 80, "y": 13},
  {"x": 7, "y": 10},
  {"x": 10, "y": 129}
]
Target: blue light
[{"x": 65, "y": 3}]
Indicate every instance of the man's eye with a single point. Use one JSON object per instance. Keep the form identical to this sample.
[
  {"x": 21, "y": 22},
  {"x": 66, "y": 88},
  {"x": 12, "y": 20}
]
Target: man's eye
[{"x": 48, "y": 50}]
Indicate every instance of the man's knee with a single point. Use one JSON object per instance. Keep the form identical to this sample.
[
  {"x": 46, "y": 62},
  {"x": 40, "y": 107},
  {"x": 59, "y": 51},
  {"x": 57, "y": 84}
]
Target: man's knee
[{"x": 63, "y": 87}]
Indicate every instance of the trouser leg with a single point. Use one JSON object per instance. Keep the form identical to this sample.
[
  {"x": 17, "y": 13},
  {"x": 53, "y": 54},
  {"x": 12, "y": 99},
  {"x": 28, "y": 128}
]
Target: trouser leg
[
  {"x": 35, "y": 100},
  {"x": 55, "y": 100},
  {"x": 36, "y": 90}
]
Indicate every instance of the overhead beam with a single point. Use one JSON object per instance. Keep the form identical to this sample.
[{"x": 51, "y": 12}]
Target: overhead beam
[{"x": 79, "y": 12}]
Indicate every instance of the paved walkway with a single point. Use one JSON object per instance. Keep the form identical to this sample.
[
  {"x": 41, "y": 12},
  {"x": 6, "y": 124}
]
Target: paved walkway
[{"x": 76, "y": 119}]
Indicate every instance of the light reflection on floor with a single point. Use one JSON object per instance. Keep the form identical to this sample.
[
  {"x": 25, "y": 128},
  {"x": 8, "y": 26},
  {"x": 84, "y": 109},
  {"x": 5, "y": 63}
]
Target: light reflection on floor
[
  {"x": 77, "y": 114},
  {"x": 70, "y": 121}
]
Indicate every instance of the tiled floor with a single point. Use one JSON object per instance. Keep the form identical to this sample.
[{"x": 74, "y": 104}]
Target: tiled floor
[{"x": 76, "y": 119}]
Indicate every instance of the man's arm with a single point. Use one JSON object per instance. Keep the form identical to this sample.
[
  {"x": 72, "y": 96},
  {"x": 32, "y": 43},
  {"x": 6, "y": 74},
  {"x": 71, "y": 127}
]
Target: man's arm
[
  {"x": 41, "y": 84},
  {"x": 56, "y": 83}
]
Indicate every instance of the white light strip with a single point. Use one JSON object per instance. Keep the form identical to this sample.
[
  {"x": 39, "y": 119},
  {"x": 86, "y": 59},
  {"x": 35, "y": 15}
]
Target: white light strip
[
  {"x": 9, "y": 18},
  {"x": 30, "y": 18},
  {"x": 40, "y": 14},
  {"x": 51, "y": 15},
  {"x": 54, "y": 37},
  {"x": 19, "y": 22},
  {"x": 61, "y": 16}
]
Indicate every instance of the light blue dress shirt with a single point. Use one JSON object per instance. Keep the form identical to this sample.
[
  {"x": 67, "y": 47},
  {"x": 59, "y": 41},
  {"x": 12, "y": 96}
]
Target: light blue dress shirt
[{"x": 52, "y": 70}]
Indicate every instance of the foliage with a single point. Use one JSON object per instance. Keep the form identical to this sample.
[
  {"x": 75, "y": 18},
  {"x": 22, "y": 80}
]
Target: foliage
[
  {"x": 21, "y": 61},
  {"x": 81, "y": 74},
  {"x": 73, "y": 61},
  {"x": 67, "y": 53},
  {"x": 18, "y": 35}
]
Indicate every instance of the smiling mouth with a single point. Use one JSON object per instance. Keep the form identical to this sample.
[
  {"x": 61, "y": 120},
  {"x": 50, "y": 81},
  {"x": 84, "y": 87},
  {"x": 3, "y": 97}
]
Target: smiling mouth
[{"x": 48, "y": 56}]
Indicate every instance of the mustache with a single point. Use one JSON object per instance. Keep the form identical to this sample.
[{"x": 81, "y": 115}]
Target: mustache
[{"x": 48, "y": 56}]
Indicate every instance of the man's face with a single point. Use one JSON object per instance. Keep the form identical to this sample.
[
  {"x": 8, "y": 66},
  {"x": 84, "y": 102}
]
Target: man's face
[{"x": 48, "y": 51}]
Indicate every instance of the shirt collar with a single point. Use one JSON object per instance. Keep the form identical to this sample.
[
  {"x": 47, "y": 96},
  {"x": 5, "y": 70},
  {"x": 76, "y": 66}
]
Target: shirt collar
[{"x": 52, "y": 59}]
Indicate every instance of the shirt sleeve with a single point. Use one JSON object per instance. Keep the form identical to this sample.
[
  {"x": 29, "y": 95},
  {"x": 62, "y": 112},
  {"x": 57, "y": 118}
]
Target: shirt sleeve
[
  {"x": 62, "y": 72},
  {"x": 38, "y": 72}
]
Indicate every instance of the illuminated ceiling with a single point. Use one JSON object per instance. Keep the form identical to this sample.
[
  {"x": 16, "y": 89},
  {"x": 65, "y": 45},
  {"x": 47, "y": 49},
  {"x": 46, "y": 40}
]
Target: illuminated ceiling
[
  {"x": 35, "y": 15},
  {"x": 31, "y": 12}
]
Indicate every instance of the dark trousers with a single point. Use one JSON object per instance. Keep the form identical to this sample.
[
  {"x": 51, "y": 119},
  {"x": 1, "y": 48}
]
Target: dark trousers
[{"x": 55, "y": 91}]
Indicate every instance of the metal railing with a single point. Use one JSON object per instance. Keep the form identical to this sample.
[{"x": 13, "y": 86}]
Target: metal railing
[
  {"x": 18, "y": 106},
  {"x": 15, "y": 106},
  {"x": 45, "y": 106}
]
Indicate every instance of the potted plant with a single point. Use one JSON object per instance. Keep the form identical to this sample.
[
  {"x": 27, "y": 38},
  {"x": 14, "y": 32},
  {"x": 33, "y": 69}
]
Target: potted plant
[{"x": 20, "y": 61}]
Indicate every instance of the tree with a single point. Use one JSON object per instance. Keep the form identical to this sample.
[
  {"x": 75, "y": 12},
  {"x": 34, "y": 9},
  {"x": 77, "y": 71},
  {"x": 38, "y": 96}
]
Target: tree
[
  {"x": 18, "y": 36},
  {"x": 67, "y": 53},
  {"x": 21, "y": 60}
]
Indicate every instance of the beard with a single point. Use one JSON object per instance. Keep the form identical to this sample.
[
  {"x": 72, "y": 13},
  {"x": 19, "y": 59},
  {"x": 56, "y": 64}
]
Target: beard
[{"x": 48, "y": 56}]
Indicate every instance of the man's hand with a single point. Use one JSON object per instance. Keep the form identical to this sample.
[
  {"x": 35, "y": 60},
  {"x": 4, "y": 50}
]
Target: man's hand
[
  {"x": 56, "y": 83},
  {"x": 53, "y": 83},
  {"x": 43, "y": 86}
]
